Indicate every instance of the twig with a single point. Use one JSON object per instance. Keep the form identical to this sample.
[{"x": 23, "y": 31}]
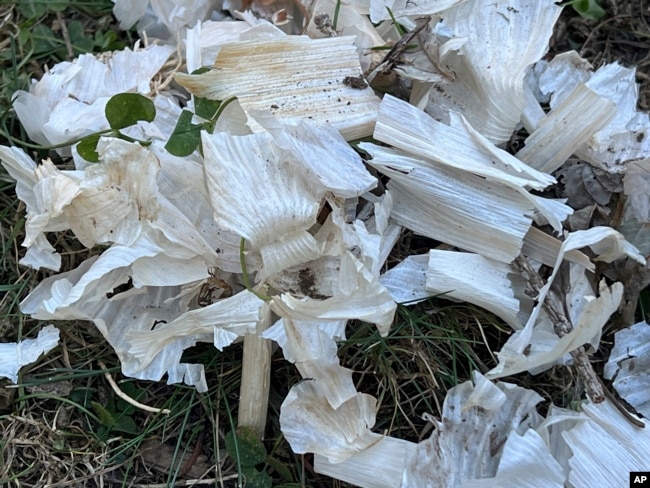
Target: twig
[
  {"x": 555, "y": 310},
  {"x": 211, "y": 481},
  {"x": 189, "y": 464},
  {"x": 553, "y": 305},
  {"x": 393, "y": 56},
  {"x": 66, "y": 35},
  {"x": 126, "y": 397}
]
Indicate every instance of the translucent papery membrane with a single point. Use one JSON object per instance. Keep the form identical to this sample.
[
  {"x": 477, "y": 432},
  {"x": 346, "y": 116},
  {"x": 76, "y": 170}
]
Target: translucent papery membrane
[
  {"x": 225, "y": 321},
  {"x": 257, "y": 190},
  {"x": 15, "y": 355},
  {"x": 502, "y": 39},
  {"x": 629, "y": 366},
  {"x": 475, "y": 279},
  {"x": 312, "y": 348}
]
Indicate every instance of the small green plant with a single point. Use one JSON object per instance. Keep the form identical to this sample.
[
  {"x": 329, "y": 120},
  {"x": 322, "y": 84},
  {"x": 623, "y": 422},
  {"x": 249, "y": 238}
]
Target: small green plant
[
  {"x": 187, "y": 135},
  {"x": 589, "y": 9},
  {"x": 122, "y": 110}
]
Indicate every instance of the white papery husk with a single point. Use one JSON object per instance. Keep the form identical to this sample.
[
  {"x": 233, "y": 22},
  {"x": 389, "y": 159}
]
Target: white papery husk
[
  {"x": 343, "y": 283},
  {"x": 358, "y": 295},
  {"x": 625, "y": 137},
  {"x": 607, "y": 439},
  {"x": 629, "y": 366},
  {"x": 204, "y": 40},
  {"x": 294, "y": 77},
  {"x": 407, "y": 281},
  {"x": 536, "y": 347},
  {"x": 172, "y": 241},
  {"x": 15, "y": 355},
  {"x": 435, "y": 201},
  {"x": 162, "y": 18},
  {"x": 323, "y": 152},
  {"x": 80, "y": 294},
  {"x": 379, "y": 9},
  {"x": 501, "y": 39},
  {"x": 468, "y": 442},
  {"x": 21, "y": 168},
  {"x": 126, "y": 319},
  {"x": 566, "y": 128},
  {"x": 312, "y": 348},
  {"x": 69, "y": 100},
  {"x": 106, "y": 203},
  {"x": 259, "y": 192},
  {"x": 225, "y": 320},
  {"x": 405, "y": 127},
  {"x": 484, "y": 282},
  {"x": 311, "y": 424}
]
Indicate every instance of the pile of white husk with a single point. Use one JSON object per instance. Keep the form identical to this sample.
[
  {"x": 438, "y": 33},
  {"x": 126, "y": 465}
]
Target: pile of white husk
[{"x": 279, "y": 158}]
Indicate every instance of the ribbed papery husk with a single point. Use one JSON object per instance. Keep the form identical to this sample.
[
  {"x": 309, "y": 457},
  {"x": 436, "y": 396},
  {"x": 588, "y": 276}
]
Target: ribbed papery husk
[
  {"x": 313, "y": 350},
  {"x": 204, "y": 40},
  {"x": 257, "y": 189},
  {"x": 457, "y": 145},
  {"x": 629, "y": 366},
  {"x": 310, "y": 424},
  {"x": 379, "y": 466},
  {"x": 566, "y": 128},
  {"x": 475, "y": 279},
  {"x": 359, "y": 296},
  {"x": 325, "y": 154},
  {"x": 15, "y": 355},
  {"x": 106, "y": 204},
  {"x": 293, "y": 77},
  {"x": 80, "y": 294},
  {"x": 543, "y": 351},
  {"x": 454, "y": 206},
  {"x": 526, "y": 461},
  {"x": 545, "y": 248},
  {"x": 287, "y": 252},
  {"x": 81, "y": 89},
  {"x": 502, "y": 39},
  {"x": 186, "y": 217},
  {"x": 606, "y": 440},
  {"x": 379, "y": 9},
  {"x": 406, "y": 282},
  {"x": 624, "y": 138},
  {"x": 226, "y": 320},
  {"x": 467, "y": 444}
]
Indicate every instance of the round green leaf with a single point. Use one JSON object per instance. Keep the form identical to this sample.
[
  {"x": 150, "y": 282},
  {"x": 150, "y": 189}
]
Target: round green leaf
[
  {"x": 186, "y": 136},
  {"x": 246, "y": 445},
  {"x": 87, "y": 148},
  {"x": 126, "y": 109},
  {"x": 256, "y": 479}
]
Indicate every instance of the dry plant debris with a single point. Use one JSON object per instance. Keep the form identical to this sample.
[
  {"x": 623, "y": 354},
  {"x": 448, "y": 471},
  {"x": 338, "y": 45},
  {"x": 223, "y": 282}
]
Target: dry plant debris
[{"x": 233, "y": 208}]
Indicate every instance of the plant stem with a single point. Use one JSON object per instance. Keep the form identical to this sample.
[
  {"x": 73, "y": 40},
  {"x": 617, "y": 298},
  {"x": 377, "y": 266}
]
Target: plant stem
[{"x": 255, "y": 378}]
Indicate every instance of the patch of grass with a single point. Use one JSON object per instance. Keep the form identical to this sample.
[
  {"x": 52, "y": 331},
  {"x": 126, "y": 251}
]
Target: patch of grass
[{"x": 432, "y": 347}]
